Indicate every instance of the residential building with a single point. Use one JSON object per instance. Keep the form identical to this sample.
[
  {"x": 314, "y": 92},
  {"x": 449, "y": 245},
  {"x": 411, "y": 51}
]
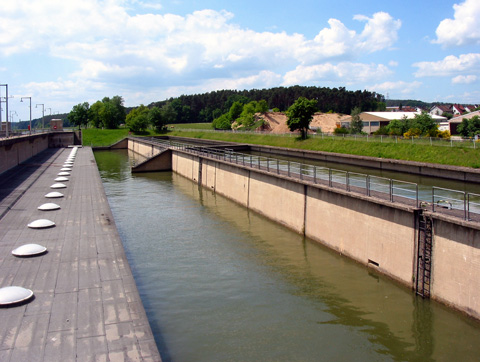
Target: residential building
[{"x": 372, "y": 121}]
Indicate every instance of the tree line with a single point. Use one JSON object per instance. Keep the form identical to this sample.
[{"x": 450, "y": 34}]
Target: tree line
[{"x": 207, "y": 107}]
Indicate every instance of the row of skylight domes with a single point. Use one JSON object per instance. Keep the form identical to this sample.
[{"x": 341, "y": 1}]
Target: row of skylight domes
[{"x": 14, "y": 295}]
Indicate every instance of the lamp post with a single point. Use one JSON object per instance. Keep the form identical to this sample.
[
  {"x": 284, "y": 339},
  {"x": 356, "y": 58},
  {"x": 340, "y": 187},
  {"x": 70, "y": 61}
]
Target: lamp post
[
  {"x": 30, "y": 124},
  {"x": 11, "y": 115},
  {"x": 43, "y": 114},
  {"x": 50, "y": 111},
  {"x": 6, "y": 110}
]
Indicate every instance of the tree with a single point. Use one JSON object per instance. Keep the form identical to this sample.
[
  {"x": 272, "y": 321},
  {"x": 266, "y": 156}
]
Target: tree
[
  {"x": 425, "y": 123},
  {"x": 397, "y": 127},
  {"x": 356, "y": 124},
  {"x": 261, "y": 106},
  {"x": 108, "y": 115},
  {"x": 469, "y": 127},
  {"x": 300, "y": 114},
  {"x": 168, "y": 113},
  {"x": 95, "y": 110},
  {"x": 156, "y": 119},
  {"x": 112, "y": 114},
  {"x": 222, "y": 122},
  {"x": 235, "y": 111},
  {"x": 247, "y": 117},
  {"x": 137, "y": 119},
  {"x": 79, "y": 114}
]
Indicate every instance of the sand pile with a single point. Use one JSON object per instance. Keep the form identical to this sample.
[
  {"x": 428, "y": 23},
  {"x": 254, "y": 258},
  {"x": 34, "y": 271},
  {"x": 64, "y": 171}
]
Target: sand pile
[{"x": 327, "y": 122}]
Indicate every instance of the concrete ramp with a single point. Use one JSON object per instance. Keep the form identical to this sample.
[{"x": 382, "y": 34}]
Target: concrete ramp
[{"x": 159, "y": 162}]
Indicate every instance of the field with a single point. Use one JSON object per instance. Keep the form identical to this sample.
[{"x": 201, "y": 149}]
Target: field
[{"x": 456, "y": 156}]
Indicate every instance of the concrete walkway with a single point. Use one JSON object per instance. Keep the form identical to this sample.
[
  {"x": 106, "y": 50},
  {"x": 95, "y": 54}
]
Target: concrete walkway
[{"x": 86, "y": 305}]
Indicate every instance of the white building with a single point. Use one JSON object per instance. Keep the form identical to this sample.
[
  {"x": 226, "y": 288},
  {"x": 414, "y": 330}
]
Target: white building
[{"x": 372, "y": 121}]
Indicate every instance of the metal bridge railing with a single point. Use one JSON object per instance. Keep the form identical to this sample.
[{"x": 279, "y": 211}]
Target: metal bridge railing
[
  {"x": 443, "y": 200},
  {"x": 465, "y": 202}
]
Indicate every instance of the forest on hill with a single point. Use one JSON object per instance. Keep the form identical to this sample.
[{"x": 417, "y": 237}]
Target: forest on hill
[{"x": 200, "y": 108}]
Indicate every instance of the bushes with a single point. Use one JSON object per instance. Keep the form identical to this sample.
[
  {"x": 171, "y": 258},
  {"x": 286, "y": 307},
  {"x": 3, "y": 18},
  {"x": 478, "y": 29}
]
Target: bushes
[{"x": 341, "y": 130}]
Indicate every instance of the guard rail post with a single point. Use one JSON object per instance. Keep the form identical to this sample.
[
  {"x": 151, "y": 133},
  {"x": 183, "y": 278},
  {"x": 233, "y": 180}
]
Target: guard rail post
[{"x": 391, "y": 190}]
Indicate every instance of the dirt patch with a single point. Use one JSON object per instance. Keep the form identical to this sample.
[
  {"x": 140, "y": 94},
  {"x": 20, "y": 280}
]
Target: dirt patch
[{"x": 326, "y": 122}]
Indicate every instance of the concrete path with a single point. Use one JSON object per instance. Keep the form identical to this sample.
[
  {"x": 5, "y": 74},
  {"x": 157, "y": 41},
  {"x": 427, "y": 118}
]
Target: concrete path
[{"x": 86, "y": 305}]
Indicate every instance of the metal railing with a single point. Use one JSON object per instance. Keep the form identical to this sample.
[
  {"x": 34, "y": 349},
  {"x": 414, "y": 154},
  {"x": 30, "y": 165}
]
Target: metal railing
[
  {"x": 453, "y": 202},
  {"x": 446, "y": 199}
]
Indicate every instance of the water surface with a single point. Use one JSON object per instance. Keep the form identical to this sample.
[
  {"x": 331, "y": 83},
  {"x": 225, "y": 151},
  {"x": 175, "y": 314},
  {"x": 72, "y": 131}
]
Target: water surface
[{"x": 221, "y": 283}]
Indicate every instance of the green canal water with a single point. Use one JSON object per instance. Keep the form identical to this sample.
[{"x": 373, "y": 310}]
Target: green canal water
[{"x": 221, "y": 283}]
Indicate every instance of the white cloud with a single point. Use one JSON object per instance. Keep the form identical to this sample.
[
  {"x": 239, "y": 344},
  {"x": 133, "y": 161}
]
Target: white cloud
[
  {"x": 464, "y": 79},
  {"x": 103, "y": 31},
  {"x": 108, "y": 44},
  {"x": 147, "y": 5},
  {"x": 379, "y": 33},
  {"x": 450, "y": 65},
  {"x": 346, "y": 72},
  {"x": 399, "y": 87},
  {"x": 463, "y": 29}
]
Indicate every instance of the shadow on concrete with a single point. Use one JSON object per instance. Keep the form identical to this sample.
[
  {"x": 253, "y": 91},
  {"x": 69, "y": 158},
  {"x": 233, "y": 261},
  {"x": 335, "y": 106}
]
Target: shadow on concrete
[{"x": 15, "y": 181}]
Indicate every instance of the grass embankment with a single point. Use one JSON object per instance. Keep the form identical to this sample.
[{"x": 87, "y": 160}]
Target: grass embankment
[
  {"x": 455, "y": 156},
  {"x": 95, "y": 137}
]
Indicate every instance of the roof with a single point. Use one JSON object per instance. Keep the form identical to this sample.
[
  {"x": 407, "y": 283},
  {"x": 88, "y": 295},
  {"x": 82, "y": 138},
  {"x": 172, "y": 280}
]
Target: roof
[
  {"x": 390, "y": 116},
  {"x": 459, "y": 119},
  {"x": 442, "y": 107}
]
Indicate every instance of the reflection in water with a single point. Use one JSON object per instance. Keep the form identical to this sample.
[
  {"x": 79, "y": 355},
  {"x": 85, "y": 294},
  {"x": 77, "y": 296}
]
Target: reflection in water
[{"x": 220, "y": 282}]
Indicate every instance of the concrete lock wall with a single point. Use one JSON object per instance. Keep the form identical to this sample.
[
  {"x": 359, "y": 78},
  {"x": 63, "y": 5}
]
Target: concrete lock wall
[
  {"x": 14, "y": 151},
  {"x": 456, "y": 267},
  {"x": 145, "y": 149},
  {"x": 377, "y": 233},
  {"x": 17, "y": 150},
  {"x": 372, "y": 233}
]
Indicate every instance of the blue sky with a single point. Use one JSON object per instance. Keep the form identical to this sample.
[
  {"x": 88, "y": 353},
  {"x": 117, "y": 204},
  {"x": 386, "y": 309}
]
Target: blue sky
[{"x": 62, "y": 53}]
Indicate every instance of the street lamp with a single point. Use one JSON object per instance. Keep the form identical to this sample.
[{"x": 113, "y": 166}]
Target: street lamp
[
  {"x": 11, "y": 115},
  {"x": 6, "y": 112},
  {"x": 43, "y": 114},
  {"x": 30, "y": 98},
  {"x": 50, "y": 111}
]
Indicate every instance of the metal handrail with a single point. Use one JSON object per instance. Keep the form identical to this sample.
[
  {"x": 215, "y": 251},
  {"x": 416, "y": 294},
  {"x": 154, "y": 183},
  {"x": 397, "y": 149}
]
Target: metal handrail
[{"x": 298, "y": 170}]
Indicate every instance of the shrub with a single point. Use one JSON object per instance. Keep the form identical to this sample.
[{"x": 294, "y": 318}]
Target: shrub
[
  {"x": 341, "y": 130},
  {"x": 413, "y": 132},
  {"x": 382, "y": 131},
  {"x": 444, "y": 134}
]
